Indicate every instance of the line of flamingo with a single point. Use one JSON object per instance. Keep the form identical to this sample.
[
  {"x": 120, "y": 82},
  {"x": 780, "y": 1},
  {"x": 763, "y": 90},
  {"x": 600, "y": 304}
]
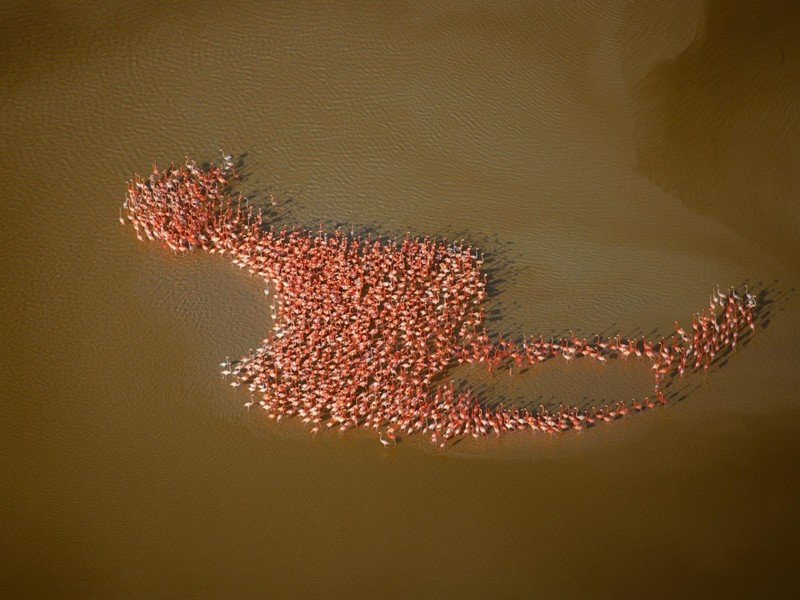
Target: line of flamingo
[{"x": 364, "y": 328}]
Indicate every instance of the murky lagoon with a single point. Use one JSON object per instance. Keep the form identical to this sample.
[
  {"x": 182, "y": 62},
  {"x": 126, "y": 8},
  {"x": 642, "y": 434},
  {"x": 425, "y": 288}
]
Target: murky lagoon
[{"x": 614, "y": 161}]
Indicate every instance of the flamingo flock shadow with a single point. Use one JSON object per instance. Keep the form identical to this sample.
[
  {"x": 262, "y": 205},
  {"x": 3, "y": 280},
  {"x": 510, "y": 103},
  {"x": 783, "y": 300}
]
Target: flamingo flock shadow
[{"x": 189, "y": 208}]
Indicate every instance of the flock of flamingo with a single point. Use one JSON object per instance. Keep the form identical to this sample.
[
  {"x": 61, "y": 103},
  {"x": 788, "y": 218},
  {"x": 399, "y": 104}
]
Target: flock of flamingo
[{"x": 365, "y": 329}]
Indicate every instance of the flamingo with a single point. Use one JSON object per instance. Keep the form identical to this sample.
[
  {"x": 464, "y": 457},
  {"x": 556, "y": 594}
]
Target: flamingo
[{"x": 363, "y": 328}]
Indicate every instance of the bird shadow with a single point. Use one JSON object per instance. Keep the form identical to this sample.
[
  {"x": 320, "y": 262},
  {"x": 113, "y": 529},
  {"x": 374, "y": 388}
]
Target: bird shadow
[
  {"x": 771, "y": 300},
  {"x": 501, "y": 270}
]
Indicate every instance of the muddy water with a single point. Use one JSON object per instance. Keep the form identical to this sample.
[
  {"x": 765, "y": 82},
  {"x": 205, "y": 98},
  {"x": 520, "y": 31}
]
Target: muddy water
[{"x": 613, "y": 160}]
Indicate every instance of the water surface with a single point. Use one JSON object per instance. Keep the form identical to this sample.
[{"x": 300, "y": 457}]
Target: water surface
[{"x": 614, "y": 160}]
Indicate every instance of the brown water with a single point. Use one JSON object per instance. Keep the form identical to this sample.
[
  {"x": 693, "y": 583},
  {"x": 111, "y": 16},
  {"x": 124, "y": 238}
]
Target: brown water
[{"x": 615, "y": 160}]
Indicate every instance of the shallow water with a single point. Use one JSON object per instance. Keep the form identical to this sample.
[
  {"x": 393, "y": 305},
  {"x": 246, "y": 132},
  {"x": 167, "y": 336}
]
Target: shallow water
[{"x": 613, "y": 160}]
